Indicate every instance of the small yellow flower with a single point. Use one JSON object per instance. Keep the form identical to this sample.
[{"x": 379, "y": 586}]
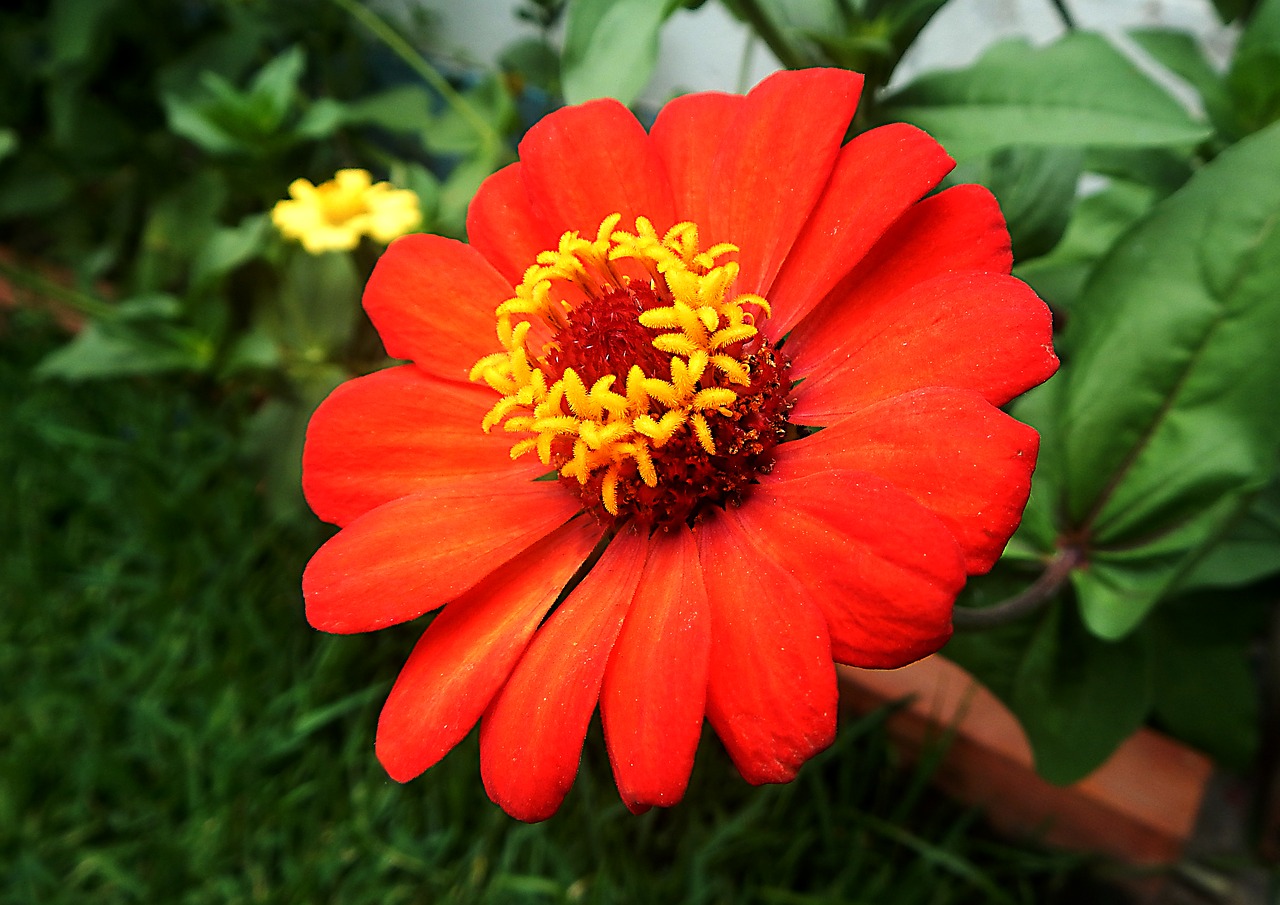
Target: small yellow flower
[{"x": 334, "y": 215}]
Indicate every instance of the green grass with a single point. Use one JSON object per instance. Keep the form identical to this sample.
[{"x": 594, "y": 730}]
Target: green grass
[{"x": 173, "y": 731}]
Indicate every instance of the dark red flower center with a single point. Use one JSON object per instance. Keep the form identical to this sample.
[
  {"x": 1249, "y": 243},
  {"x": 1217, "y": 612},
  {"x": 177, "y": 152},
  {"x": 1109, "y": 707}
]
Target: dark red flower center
[{"x": 652, "y": 393}]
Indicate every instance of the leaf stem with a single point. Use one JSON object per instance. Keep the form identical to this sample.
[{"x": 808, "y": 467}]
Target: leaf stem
[
  {"x": 767, "y": 29},
  {"x": 43, "y": 286},
  {"x": 1067, "y": 19},
  {"x": 400, "y": 47},
  {"x": 1023, "y": 604}
]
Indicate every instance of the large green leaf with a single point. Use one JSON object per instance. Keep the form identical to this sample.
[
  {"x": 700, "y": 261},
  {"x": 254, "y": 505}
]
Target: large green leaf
[
  {"x": 1079, "y": 698},
  {"x": 1180, "y": 53},
  {"x": 1168, "y": 421},
  {"x": 1097, "y": 222},
  {"x": 1078, "y": 92},
  {"x": 1206, "y": 692},
  {"x": 610, "y": 47},
  {"x": 1250, "y": 550},
  {"x": 1252, "y": 88}
]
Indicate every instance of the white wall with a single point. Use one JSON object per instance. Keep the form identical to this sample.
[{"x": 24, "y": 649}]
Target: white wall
[{"x": 707, "y": 49}]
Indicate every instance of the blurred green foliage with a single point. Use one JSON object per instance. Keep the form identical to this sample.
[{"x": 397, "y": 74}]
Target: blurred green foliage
[{"x": 153, "y": 572}]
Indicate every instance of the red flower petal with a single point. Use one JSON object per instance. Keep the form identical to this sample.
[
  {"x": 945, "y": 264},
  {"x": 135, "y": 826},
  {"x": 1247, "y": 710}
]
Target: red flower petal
[
  {"x": 655, "y": 687},
  {"x": 883, "y": 569},
  {"x": 951, "y": 451},
  {"x": 985, "y": 332},
  {"x": 777, "y": 157},
  {"x": 419, "y": 552},
  {"x": 502, "y": 225},
  {"x": 877, "y": 177},
  {"x": 531, "y": 737},
  {"x": 581, "y": 164},
  {"x": 688, "y": 134},
  {"x": 468, "y": 650},
  {"x": 956, "y": 230},
  {"x": 433, "y": 301},
  {"x": 771, "y": 692},
  {"x": 383, "y": 436}
]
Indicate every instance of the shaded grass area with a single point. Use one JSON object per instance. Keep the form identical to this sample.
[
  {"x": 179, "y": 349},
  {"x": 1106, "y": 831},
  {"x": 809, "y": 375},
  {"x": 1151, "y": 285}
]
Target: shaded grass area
[{"x": 174, "y": 732}]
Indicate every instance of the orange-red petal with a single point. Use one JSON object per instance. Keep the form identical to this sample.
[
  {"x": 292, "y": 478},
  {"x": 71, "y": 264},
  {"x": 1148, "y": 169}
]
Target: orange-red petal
[
  {"x": 951, "y": 451},
  {"x": 776, "y": 159},
  {"x": 433, "y": 300},
  {"x": 877, "y": 177},
  {"x": 959, "y": 229},
  {"x": 688, "y": 134},
  {"x": 883, "y": 570},
  {"x": 385, "y": 435},
  {"x": 583, "y": 163},
  {"x": 502, "y": 225},
  {"x": 417, "y": 553},
  {"x": 771, "y": 690},
  {"x": 531, "y": 737},
  {"x": 655, "y": 687},
  {"x": 985, "y": 332},
  {"x": 468, "y": 651}
]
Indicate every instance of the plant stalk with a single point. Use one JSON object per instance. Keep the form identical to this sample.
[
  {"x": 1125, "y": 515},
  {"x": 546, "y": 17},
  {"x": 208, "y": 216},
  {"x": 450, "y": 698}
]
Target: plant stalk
[
  {"x": 432, "y": 76},
  {"x": 1021, "y": 605}
]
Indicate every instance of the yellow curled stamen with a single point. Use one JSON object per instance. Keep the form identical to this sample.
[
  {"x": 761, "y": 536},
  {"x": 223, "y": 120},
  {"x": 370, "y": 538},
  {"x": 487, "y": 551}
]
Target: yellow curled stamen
[{"x": 607, "y": 426}]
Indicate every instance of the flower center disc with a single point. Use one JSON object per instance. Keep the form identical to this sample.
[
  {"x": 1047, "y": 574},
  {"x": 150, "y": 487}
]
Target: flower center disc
[{"x": 631, "y": 369}]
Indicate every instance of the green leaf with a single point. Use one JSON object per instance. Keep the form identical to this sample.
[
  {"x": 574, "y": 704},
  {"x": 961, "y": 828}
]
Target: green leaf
[
  {"x": 1180, "y": 53},
  {"x": 1167, "y": 423},
  {"x": 276, "y": 433},
  {"x": 535, "y": 61},
  {"x": 273, "y": 89},
  {"x": 177, "y": 230},
  {"x": 1037, "y": 536},
  {"x": 1165, "y": 170},
  {"x": 453, "y": 133},
  {"x": 32, "y": 185},
  {"x": 1253, "y": 92},
  {"x": 1249, "y": 551},
  {"x": 1077, "y": 697},
  {"x": 1206, "y": 692},
  {"x": 315, "y": 311},
  {"x": 140, "y": 338},
  {"x": 222, "y": 119},
  {"x": 1230, "y": 10},
  {"x": 252, "y": 350},
  {"x": 74, "y": 27},
  {"x": 8, "y": 142},
  {"x": 1036, "y": 188},
  {"x": 994, "y": 656},
  {"x": 1263, "y": 29},
  {"x": 1097, "y": 222},
  {"x": 192, "y": 120},
  {"x": 404, "y": 108},
  {"x": 1077, "y": 92},
  {"x": 458, "y": 190},
  {"x": 423, "y": 183},
  {"x": 228, "y": 248},
  {"x": 1253, "y": 89},
  {"x": 322, "y": 118},
  {"x": 611, "y": 47}
]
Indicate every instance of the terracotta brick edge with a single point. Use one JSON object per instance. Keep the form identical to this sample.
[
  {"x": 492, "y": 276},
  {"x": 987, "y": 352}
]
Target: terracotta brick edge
[{"x": 1139, "y": 807}]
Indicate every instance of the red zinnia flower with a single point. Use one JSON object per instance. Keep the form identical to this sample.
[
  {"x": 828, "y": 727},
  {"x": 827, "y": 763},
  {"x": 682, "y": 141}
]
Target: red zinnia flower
[{"x": 619, "y": 496}]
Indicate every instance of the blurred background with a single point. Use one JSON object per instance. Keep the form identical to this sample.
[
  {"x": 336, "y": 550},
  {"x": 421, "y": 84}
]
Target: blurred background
[{"x": 173, "y": 729}]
